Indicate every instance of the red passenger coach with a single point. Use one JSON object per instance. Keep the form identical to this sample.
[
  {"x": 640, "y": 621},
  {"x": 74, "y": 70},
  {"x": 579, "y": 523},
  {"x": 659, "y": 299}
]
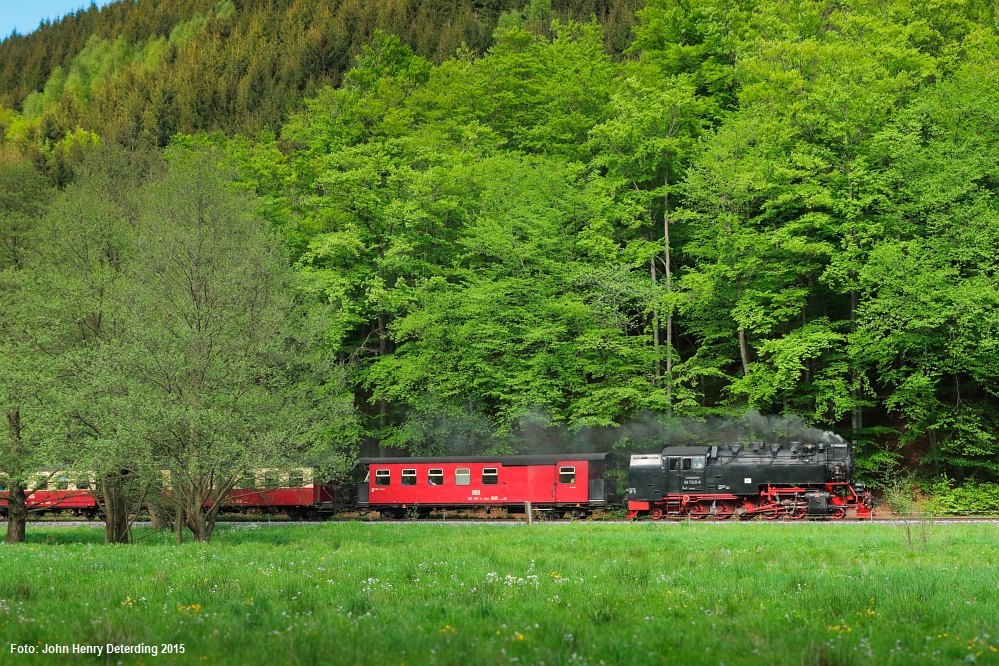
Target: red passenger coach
[{"x": 552, "y": 483}]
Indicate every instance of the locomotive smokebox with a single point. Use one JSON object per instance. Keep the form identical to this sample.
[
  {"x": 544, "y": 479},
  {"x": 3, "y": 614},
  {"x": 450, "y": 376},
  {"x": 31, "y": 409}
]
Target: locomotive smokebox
[{"x": 818, "y": 503}]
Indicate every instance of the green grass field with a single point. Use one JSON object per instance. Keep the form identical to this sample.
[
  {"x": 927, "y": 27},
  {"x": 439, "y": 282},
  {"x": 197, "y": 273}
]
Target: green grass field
[{"x": 427, "y": 593}]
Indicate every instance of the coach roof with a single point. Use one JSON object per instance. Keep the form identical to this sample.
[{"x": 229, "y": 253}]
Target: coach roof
[
  {"x": 685, "y": 451},
  {"x": 506, "y": 461}
]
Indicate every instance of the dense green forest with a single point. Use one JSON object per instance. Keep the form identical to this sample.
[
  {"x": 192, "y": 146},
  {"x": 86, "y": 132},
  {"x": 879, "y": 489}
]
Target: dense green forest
[{"x": 503, "y": 228}]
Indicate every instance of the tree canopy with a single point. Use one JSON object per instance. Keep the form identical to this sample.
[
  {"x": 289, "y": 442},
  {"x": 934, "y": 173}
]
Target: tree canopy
[{"x": 507, "y": 227}]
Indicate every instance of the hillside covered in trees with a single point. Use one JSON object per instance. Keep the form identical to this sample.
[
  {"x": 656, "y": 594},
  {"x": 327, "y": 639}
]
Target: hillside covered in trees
[{"x": 502, "y": 227}]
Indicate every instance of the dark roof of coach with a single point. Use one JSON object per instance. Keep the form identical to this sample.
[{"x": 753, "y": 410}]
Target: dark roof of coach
[
  {"x": 685, "y": 451},
  {"x": 506, "y": 461}
]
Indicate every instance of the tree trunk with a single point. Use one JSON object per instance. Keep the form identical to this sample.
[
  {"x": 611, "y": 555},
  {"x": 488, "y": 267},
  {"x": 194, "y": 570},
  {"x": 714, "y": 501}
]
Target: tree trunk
[
  {"x": 655, "y": 325},
  {"x": 179, "y": 524},
  {"x": 743, "y": 352},
  {"x": 382, "y": 406},
  {"x": 198, "y": 525},
  {"x": 211, "y": 516},
  {"x": 115, "y": 506},
  {"x": 17, "y": 501},
  {"x": 856, "y": 415},
  {"x": 157, "y": 517},
  {"x": 17, "y": 513},
  {"x": 669, "y": 306},
  {"x": 669, "y": 363}
]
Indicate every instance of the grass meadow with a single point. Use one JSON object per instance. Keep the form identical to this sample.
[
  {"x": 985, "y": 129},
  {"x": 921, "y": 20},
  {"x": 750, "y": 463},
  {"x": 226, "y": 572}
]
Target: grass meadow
[{"x": 573, "y": 593}]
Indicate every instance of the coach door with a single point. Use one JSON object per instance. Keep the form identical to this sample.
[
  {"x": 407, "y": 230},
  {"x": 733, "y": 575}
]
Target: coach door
[
  {"x": 541, "y": 483},
  {"x": 673, "y": 475},
  {"x": 570, "y": 478}
]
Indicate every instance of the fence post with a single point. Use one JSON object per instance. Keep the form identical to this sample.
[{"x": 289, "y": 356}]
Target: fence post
[{"x": 529, "y": 513}]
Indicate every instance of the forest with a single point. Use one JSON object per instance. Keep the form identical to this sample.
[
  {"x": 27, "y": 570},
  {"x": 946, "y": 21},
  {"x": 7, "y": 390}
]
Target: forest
[{"x": 240, "y": 233}]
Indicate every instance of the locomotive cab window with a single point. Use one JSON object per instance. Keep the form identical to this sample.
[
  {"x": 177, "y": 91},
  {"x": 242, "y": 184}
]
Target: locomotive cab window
[
  {"x": 490, "y": 476},
  {"x": 686, "y": 463},
  {"x": 409, "y": 477},
  {"x": 674, "y": 464},
  {"x": 383, "y": 477},
  {"x": 698, "y": 463},
  {"x": 462, "y": 476},
  {"x": 435, "y": 477},
  {"x": 567, "y": 475}
]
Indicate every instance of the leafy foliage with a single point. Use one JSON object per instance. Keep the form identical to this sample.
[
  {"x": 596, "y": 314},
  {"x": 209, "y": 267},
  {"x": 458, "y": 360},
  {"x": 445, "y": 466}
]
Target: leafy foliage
[{"x": 508, "y": 228}]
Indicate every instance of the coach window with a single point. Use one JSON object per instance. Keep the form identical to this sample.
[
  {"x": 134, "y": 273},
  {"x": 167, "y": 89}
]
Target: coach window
[
  {"x": 62, "y": 483},
  {"x": 247, "y": 481},
  {"x": 462, "y": 476},
  {"x": 271, "y": 478},
  {"x": 409, "y": 477},
  {"x": 686, "y": 463},
  {"x": 296, "y": 479},
  {"x": 567, "y": 475},
  {"x": 490, "y": 476},
  {"x": 82, "y": 483},
  {"x": 435, "y": 477},
  {"x": 698, "y": 463},
  {"x": 382, "y": 477}
]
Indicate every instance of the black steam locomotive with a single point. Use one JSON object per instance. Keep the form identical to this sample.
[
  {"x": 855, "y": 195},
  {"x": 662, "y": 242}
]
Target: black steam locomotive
[{"x": 794, "y": 479}]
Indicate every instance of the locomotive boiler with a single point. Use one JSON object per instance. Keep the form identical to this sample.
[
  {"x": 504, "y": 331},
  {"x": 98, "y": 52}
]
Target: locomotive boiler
[{"x": 794, "y": 479}]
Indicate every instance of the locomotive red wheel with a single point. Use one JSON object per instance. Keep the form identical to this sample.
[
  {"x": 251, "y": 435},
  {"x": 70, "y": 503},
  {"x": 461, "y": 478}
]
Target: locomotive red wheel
[
  {"x": 698, "y": 512},
  {"x": 796, "y": 513},
  {"x": 747, "y": 508},
  {"x": 724, "y": 511},
  {"x": 657, "y": 514},
  {"x": 838, "y": 513}
]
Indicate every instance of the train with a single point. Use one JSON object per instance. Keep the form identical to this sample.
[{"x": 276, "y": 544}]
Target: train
[{"x": 792, "y": 480}]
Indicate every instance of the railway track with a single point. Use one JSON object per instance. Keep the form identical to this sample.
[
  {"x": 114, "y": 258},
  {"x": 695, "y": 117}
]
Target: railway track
[{"x": 939, "y": 520}]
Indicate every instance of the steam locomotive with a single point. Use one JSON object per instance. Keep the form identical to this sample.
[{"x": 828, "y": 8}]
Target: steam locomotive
[{"x": 795, "y": 480}]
